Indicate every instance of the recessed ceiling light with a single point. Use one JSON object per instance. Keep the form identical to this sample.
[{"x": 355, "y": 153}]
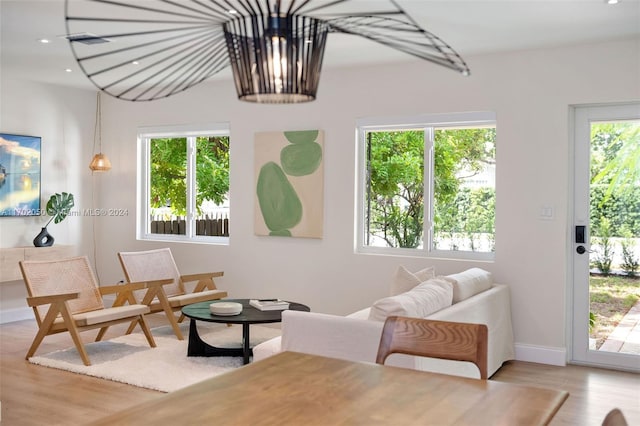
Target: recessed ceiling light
[
  {"x": 68, "y": 70},
  {"x": 232, "y": 11},
  {"x": 135, "y": 63},
  {"x": 612, "y": 1},
  {"x": 44, "y": 40}
]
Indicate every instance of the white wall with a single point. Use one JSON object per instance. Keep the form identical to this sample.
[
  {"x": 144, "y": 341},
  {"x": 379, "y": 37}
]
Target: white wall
[
  {"x": 530, "y": 92},
  {"x": 64, "y": 119}
]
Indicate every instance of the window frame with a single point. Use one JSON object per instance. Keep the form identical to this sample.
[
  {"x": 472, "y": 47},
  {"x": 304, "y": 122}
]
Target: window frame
[
  {"x": 427, "y": 123},
  {"x": 190, "y": 132}
]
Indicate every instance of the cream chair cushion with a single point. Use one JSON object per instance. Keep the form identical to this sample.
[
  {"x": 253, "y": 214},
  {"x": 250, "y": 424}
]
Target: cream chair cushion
[{"x": 109, "y": 314}]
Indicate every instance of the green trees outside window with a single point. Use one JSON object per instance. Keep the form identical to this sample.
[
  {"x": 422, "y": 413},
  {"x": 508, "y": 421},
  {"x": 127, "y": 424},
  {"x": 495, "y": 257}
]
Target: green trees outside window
[
  {"x": 462, "y": 202},
  {"x": 169, "y": 175},
  {"x": 169, "y": 172},
  {"x": 615, "y": 196},
  {"x": 395, "y": 193},
  {"x": 188, "y": 185}
]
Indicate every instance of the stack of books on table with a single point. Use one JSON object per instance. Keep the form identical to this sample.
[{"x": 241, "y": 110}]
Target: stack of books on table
[{"x": 269, "y": 304}]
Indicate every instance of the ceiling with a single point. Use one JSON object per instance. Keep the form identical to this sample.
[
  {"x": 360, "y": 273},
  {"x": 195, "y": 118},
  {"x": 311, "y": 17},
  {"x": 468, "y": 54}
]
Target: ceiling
[{"x": 469, "y": 26}]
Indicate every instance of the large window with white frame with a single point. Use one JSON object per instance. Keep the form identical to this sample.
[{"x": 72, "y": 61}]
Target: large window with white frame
[
  {"x": 426, "y": 185},
  {"x": 183, "y": 183}
]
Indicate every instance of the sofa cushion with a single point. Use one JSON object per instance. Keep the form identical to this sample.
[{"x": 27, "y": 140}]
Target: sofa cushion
[
  {"x": 423, "y": 300},
  {"x": 469, "y": 283},
  {"x": 405, "y": 280}
]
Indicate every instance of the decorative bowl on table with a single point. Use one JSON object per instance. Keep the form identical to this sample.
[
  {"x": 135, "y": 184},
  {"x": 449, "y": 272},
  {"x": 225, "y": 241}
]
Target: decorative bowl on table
[{"x": 225, "y": 308}]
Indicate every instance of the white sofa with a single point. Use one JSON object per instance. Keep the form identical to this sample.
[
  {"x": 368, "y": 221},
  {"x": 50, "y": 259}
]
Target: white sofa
[{"x": 356, "y": 336}]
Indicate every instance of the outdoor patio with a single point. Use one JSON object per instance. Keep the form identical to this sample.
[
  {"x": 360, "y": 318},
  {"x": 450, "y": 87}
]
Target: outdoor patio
[{"x": 626, "y": 336}]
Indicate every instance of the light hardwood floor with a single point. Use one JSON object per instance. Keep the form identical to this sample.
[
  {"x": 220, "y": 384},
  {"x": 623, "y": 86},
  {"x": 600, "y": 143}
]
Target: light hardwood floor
[{"x": 35, "y": 395}]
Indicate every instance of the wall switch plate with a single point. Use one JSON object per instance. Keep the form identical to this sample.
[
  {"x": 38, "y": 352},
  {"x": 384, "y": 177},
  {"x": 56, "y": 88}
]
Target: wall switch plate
[{"x": 546, "y": 213}]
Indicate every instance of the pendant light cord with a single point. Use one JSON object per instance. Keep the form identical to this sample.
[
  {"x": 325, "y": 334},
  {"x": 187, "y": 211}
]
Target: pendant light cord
[
  {"x": 93, "y": 229},
  {"x": 97, "y": 130},
  {"x": 97, "y": 134}
]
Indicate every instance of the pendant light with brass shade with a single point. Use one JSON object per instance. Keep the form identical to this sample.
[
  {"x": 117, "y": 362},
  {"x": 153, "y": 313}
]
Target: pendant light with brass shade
[{"x": 100, "y": 162}]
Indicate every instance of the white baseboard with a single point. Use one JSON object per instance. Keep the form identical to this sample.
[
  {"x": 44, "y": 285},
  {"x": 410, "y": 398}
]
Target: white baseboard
[
  {"x": 541, "y": 354},
  {"x": 17, "y": 314}
]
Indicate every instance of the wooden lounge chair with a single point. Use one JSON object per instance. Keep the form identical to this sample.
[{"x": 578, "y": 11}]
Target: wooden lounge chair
[
  {"x": 435, "y": 339},
  {"x": 159, "y": 264},
  {"x": 65, "y": 296}
]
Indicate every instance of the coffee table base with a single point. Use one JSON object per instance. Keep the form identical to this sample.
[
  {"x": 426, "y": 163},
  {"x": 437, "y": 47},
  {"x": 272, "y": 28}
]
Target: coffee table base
[{"x": 198, "y": 347}]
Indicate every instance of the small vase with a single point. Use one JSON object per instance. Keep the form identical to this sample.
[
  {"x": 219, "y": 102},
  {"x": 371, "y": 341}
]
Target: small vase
[{"x": 43, "y": 239}]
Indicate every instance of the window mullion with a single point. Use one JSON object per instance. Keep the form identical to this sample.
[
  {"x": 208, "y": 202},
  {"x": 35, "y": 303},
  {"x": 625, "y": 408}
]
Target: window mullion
[
  {"x": 191, "y": 187},
  {"x": 144, "y": 187},
  {"x": 429, "y": 189},
  {"x": 368, "y": 188}
]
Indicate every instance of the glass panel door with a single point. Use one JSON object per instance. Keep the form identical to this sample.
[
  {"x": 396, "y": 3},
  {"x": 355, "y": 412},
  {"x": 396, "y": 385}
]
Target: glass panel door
[{"x": 606, "y": 237}]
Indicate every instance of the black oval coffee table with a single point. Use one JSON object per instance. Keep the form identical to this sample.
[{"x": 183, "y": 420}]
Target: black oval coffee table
[{"x": 249, "y": 315}]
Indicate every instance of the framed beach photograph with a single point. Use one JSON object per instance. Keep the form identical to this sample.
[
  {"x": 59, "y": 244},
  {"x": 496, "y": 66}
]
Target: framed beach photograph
[{"x": 19, "y": 175}]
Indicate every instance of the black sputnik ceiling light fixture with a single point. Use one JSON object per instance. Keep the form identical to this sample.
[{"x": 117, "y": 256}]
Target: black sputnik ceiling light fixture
[{"x": 152, "y": 49}]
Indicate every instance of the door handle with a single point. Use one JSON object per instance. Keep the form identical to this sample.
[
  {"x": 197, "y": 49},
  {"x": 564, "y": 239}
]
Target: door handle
[{"x": 580, "y": 234}]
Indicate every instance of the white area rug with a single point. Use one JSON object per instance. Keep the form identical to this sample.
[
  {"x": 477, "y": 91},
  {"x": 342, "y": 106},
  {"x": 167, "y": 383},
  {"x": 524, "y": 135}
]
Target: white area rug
[{"x": 129, "y": 359}]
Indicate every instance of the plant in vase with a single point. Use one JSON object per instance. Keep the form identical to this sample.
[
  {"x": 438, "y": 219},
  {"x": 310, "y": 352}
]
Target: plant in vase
[{"x": 58, "y": 207}]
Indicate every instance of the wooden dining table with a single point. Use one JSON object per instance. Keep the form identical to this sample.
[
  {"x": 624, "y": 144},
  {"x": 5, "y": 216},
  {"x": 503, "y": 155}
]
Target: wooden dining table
[{"x": 300, "y": 389}]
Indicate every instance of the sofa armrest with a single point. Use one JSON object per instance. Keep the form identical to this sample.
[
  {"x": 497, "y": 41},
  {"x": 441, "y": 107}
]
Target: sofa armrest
[
  {"x": 324, "y": 334},
  {"x": 335, "y": 336},
  {"x": 267, "y": 348},
  {"x": 493, "y": 308},
  {"x": 330, "y": 335},
  {"x": 297, "y": 336},
  {"x": 361, "y": 314}
]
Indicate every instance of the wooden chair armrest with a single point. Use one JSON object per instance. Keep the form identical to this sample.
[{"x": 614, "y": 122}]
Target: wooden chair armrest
[
  {"x": 197, "y": 277},
  {"x": 43, "y": 300},
  {"x": 156, "y": 283},
  {"x": 141, "y": 285},
  {"x": 117, "y": 288}
]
